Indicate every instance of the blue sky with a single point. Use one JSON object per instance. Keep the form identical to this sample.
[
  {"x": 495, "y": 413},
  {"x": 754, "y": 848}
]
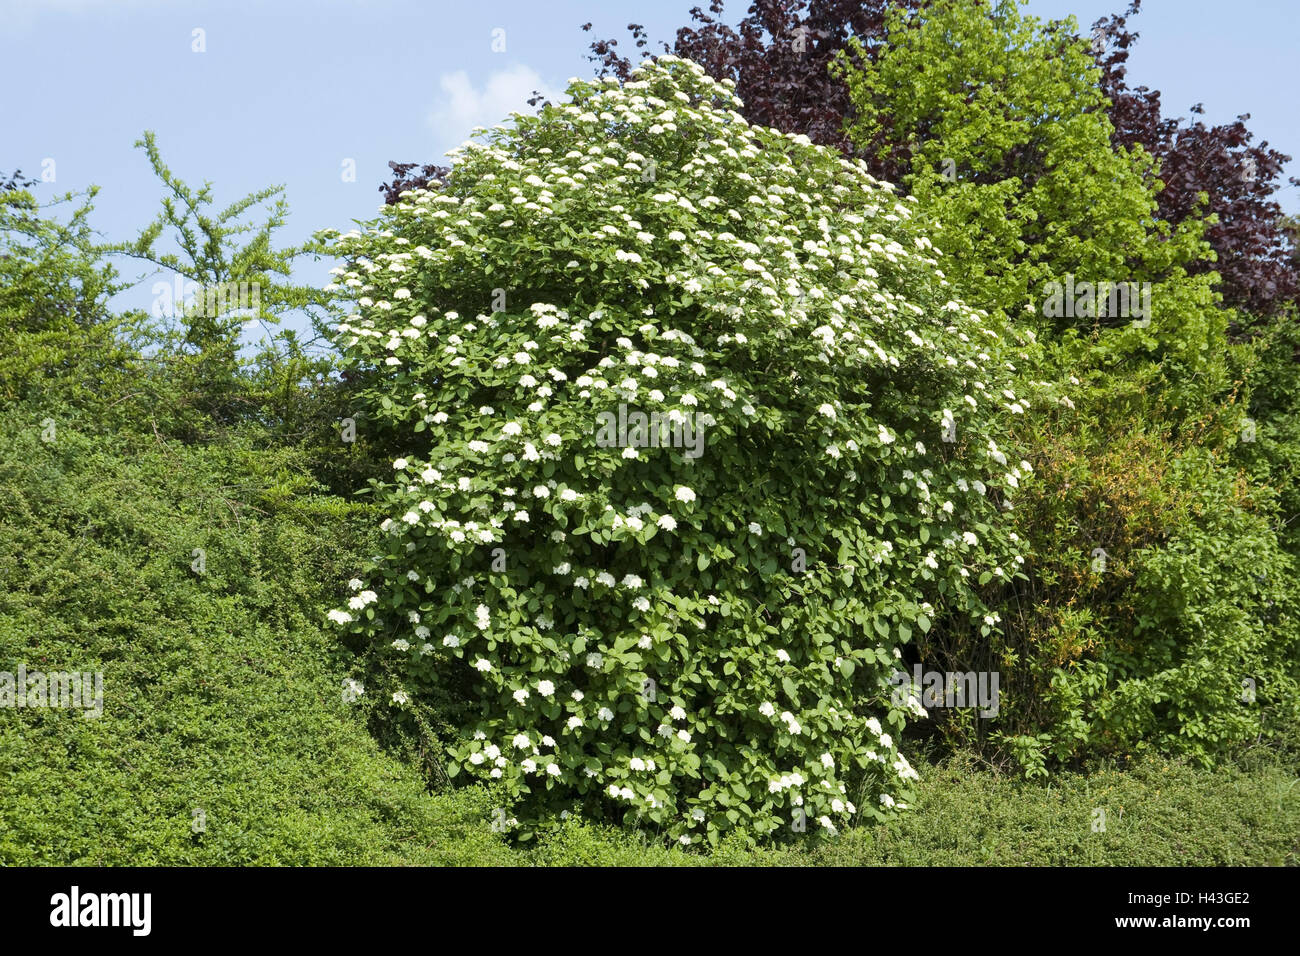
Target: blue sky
[{"x": 286, "y": 91}]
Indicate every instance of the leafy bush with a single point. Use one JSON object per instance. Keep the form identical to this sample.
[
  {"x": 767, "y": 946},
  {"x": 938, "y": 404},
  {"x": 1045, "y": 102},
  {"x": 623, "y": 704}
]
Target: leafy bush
[
  {"x": 698, "y": 644},
  {"x": 1212, "y": 658}
]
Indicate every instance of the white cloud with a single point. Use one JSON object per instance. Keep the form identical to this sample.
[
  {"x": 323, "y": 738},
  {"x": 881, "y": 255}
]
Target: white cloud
[{"x": 461, "y": 106}]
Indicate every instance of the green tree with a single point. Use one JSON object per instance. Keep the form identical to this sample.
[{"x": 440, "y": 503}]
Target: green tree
[
  {"x": 58, "y": 340},
  {"x": 232, "y": 274},
  {"x": 1001, "y": 124}
]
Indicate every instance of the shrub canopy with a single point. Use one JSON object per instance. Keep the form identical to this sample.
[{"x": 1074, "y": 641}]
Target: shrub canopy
[{"x": 694, "y": 633}]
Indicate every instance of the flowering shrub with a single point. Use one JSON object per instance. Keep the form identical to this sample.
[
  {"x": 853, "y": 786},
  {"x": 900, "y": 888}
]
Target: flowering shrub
[{"x": 698, "y": 440}]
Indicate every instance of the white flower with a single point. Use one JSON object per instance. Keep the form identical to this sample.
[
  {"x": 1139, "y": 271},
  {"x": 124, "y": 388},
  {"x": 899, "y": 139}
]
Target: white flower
[
  {"x": 677, "y": 713},
  {"x": 340, "y": 617},
  {"x": 755, "y": 528},
  {"x": 969, "y": 538},
  {"x": 511, "y": 428},
  {"x": 667, "y": 522},
  {"x": 684, "y": 494},
  {"x": 827, "y": 410},
  {"x": 482, "y": 617},
  {"x": 766, "y": 709},
  {"x": 399, "y": 698},
  {"x": 361, "y": 600},
  {"x": 605, "y": 713},
  {"x": 545, "y": 688},
  {"x": 481, "y": 664},
  {"x": 631, "y": 581},
  {"x": 399, "y": 464},
  {"x": 783, "y": 656},
  {"x": 553, "y": 769}
]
